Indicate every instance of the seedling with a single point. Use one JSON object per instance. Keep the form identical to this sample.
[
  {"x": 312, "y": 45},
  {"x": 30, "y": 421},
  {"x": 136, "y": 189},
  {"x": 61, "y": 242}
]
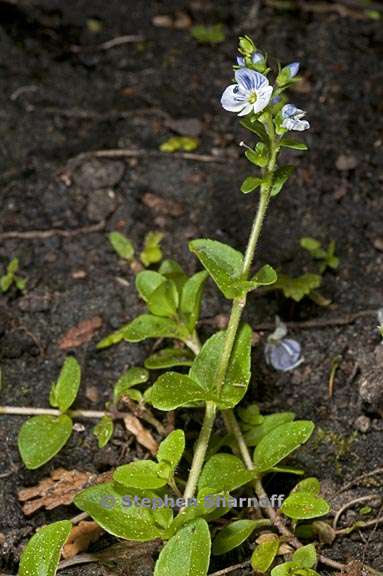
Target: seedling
[
  {"x": 151, "y": 252},
  {"x": 10, "y": 277},
  {"x": 152, "y": 499}
]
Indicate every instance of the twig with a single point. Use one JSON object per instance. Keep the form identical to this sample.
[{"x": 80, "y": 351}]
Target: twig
[
  {"x": 348, "y": 505},
  {"x": 230, "y": 569},
  {"x": 42, "y": 234},
  {"x": 320, "y": 322},
  {"x": 79, "y": 517},
  {"x": 360, "y": 526},
  {"x": 377, "y": 521},
  {"x": 362, "y": 477},
  {"x": 134, "y": 153},
  {"x": 336, "y": 362},
  {"x": 118, "y": 41}
]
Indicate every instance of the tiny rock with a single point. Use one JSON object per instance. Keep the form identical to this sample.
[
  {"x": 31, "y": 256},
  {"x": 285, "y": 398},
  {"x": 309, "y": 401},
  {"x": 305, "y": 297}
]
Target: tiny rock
[
  {"x": 346, "y": 162},
  {"x": 96, "y": 173},
  {"x": 362, "y": 424},
  {"x": 378, "y": 244}
]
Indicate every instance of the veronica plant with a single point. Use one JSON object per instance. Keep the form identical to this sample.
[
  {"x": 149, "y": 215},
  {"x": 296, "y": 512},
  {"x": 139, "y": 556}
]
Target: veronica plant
[{"x": 152, "y": 499}]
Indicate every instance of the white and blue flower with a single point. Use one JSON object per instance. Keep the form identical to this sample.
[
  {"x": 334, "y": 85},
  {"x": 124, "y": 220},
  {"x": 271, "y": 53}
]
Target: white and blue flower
[
  {"x": 283, "y": 355},
  {"x": 292, "y": 118},
  {"x": 252, "y": 92}
]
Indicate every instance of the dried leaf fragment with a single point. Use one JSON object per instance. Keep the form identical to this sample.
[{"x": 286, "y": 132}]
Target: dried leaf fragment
[
  {"x": 81, "y": 536},
  {"x": 80, "y": 334},
  {"x": 142, "y": 435}
]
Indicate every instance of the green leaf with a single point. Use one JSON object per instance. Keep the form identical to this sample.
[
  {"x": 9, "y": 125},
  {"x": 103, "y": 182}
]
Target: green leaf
[
  {"x": 173, "y": 271},
  {"x": 306, "y": 556},
  {"x": 263, "y": 555},
  {"x": 131, "y": 377},
  {"x": 250, "y": 415},
  {"x": 103, "y": 431},
  {"x": 204, "y": 367},
  {"x": 13, "y": 266},
  {"x": 255, "y": 434},
  {"x": 293, "y": 144},
  {"x": 264, "y": 277},
  {"x": 175, "y": 143},
  {"x": 169, "y": 358},
  {"x": 208, "y": 35},
  {"x": 42, "y": 437},
  {"x": 152, "y": 253},
  {"x": 146, "y": 326},
  {"x": 172, "y": 448},
  {"x": 304, "y": 506},
  {"x": 191, "y": 298},
  {"x": 233, "y": 535},
  {"x": 310, "y": 244},
  {"x": 164, "y": 300},
  {"x": 64, "y": 391},
  {"x": 311, "y": 485},
  {"x": 250, "y": 183},
  {"x": 41, "y": 555},
  {"x": 172, "y": 390},
  {"x": 223, "y": 263},
  {"x": 20, "y": 282},
  {"x": 256, "y": 127},
  {"x": 6, "y": 282},
  {"x": 279, "y": 179},
  {"x": 297, "y": 288},
  {"x": 147, "y": 282},
  {"x": 122, "y": 245},
  {"x": 109, "y": 506},
  {"x": 259, "y": 156},
  {"x": 287, "y": 569},
  {"x": 239, "y": 370},
  {"x": 187, "y": 553},
  {"x": 223, "y": 473},
  {"x": 159, "y": 293},
  {"x": 280, "y": 442},
  {"x": 141, "y": 474}
]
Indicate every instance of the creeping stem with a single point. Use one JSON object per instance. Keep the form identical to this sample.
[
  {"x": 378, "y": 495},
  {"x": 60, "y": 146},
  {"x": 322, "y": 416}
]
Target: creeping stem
[{"x": 235, "y": 317}]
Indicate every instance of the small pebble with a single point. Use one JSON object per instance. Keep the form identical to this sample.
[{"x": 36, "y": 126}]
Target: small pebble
[{"x": 362, "y": 424}]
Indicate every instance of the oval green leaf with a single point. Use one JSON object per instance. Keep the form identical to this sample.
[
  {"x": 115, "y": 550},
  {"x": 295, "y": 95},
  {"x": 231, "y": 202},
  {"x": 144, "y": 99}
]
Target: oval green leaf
[
  {"x": 280, "y": 442},
  {"x": 131, "y": 377},
  {"x": 263, "y": 555},
  {"x": 267, "y": 424},
  {"x": 146, "y": 326},
  {"x": 233, "y": 535},
  {"x": 169, "y": 358},
  {"x": 172, "y": 448},
  {"x": 310, "y": 484},
  {"x": 141, "y": 474},
  {"x": 172, "y": 390},
  {"x": 187, "y": 553},
  {"x": 223, "y": 263},
  {"x": 191, "y": 298},
  {"x": 64, "y": 391},
  {"x": 304, "y": 506},
  {"x": 306, "y": 556},
  {"x": 42, "y": 437},
  {"x": 112, "y": 507},
  {"x": 223, "y": 473},
  {"x": 122, "y": 245},
  {"x": 103, "y": 431},
  {"x": 41, "y": 555}
]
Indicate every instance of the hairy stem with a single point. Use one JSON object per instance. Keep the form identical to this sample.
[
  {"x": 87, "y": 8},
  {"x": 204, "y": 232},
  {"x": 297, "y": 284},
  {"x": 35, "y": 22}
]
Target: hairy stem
[{"x": 200, "y": 450}]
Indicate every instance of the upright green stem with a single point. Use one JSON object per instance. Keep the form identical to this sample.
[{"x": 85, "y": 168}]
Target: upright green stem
[
  {"x": 234, "y": 320},
  {"x": 200, "y": 450}
]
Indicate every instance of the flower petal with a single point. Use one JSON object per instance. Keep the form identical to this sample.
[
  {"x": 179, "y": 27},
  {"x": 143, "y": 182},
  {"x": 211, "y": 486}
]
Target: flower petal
[
  {"x": 240, "y": 61},
  {"x": 250, "y": 80},
  {"x": 233, "y": 99},
  {"x": 263, "y": 98},
  {"x": 289, "y": 110},
  {"x": 284, "y": 355},
  {"x": 247, "y": 109}
]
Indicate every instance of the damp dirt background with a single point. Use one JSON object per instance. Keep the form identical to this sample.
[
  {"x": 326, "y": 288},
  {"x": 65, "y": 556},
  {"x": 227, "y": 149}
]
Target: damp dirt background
[{"x": 57, "y": 102}]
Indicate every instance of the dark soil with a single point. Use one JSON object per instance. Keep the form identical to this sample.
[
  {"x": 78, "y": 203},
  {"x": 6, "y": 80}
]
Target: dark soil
[{"x": 56, "y": 103}]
